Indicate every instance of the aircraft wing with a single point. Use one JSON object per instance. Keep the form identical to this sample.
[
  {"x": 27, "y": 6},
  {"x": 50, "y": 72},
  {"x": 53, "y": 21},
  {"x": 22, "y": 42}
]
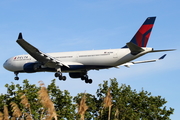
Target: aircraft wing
[
  {"x": 38, "y": 55},
  {"x": 145, "y": 61}
]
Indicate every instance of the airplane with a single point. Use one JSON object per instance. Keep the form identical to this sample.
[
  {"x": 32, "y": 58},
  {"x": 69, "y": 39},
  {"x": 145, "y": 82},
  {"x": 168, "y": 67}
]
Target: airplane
[{"x": 78, "y": 63}]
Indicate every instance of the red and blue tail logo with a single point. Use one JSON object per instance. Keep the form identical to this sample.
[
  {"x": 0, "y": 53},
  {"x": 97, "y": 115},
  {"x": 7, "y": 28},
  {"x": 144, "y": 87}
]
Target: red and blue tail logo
[{"x": 142, "y": 36}]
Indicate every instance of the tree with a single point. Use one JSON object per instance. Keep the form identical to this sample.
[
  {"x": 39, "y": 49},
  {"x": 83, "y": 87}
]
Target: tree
[
  {"x": 14, "y": 93},
  {"x": 126, "y": 104},
  {"x": 64, "y": 106},
  {"x": 111, "y": 100},
  {"x": 129, "y": 104},
  {"x": 61, "y": 99},
  {"x": 92, "y": 103}
]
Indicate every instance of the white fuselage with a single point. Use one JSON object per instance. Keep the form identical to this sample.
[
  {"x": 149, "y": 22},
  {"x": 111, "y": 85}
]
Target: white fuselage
[{"x": 97, "y": 59}]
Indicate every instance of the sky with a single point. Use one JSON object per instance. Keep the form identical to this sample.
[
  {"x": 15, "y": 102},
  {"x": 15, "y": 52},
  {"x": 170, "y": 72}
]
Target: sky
[{"x": 70, "y": 25}]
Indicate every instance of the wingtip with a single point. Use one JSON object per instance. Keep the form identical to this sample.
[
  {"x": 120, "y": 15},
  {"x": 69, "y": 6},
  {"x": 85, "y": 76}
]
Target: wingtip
[
  {"x": 163, "y": 57},
  {"x": 20, "y": 36}
]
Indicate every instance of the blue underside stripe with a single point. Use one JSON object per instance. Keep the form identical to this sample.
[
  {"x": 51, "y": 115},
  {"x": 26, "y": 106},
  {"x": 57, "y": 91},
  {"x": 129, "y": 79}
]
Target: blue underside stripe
[{"x": 73, "y": 68}]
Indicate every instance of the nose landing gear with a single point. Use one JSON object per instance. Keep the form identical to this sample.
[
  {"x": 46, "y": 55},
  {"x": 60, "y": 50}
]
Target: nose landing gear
[{"x": 16, "y": 76}]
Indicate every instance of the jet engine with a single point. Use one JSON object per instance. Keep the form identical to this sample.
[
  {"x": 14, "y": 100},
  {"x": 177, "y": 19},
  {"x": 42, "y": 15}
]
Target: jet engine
[
  {"x": 31, "y": 67},
  {"x": 75, "y": 75}
]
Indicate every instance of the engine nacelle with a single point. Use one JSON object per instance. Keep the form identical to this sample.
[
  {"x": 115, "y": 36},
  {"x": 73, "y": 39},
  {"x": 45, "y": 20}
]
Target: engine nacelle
[
  {"x": 75, "y": 75},
  {"x": 31, "y": 67}
]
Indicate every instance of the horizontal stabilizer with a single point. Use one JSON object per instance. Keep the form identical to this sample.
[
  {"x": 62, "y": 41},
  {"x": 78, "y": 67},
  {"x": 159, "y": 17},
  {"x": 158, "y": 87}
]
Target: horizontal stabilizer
[
  {"x": 154, "y": 60},
  {"x": 134, "y": 48},
  {"x": 145, "y": 61},
  {"x": 163, "y": 50}
]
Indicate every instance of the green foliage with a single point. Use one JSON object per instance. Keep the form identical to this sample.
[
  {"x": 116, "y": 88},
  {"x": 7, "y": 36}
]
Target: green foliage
[
  {"x": 128, "y": 104},
  {"x": 15, "y": 91},
  {"x": 62, "y": 102},
  {"x": 61, "y": 99},
  {"x": 91, "y": 102}
]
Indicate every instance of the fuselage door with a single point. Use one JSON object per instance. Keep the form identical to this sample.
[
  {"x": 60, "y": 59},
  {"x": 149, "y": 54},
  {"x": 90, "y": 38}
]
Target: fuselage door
[
  {"x": 115, "y": 55},
  {"x": 76, "y": 57}
]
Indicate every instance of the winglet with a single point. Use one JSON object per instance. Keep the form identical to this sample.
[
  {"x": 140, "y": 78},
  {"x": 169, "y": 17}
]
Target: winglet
[
  {"x": 162, "y": 57},
  {"x": 20, "y": 36}
]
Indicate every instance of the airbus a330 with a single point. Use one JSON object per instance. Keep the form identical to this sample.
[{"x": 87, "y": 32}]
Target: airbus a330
[{"x": 78, "y": 63}]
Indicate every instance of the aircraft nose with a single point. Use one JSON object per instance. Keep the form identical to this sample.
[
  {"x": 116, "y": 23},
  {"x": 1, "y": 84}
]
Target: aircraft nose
[
  {"x": 12, "y": 65},
  {"x": 5, "y": 65}
]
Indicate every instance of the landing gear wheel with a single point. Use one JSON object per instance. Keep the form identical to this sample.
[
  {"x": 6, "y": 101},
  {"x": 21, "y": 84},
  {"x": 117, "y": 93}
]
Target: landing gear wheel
[
  {"x": 16, "y": 74},
  {"x": 57, "y": 74},
  {"x": 84, "y": 77},
  {"x": 62, "y": 78},
  {"x": 16, "y": 78},
  {"x": 88, "y": 81}
]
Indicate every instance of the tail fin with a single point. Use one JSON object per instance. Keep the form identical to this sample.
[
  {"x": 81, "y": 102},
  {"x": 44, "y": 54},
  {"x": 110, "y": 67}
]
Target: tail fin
[{"x": 142, "y": 35}]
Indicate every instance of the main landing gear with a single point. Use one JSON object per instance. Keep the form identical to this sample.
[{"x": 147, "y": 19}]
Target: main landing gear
[
  {"x": 85, "y": 77},
  {"x": 16, "y": 74},
  {"x": 59, "y": 75}
]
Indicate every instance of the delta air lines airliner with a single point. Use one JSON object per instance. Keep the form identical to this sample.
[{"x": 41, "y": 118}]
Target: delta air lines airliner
[{"x": 78, "y": 63}]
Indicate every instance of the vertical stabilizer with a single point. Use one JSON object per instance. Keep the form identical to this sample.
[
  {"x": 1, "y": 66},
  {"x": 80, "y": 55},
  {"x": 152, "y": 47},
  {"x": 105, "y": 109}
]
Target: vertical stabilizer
[{"x": 142, "y": 35}]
